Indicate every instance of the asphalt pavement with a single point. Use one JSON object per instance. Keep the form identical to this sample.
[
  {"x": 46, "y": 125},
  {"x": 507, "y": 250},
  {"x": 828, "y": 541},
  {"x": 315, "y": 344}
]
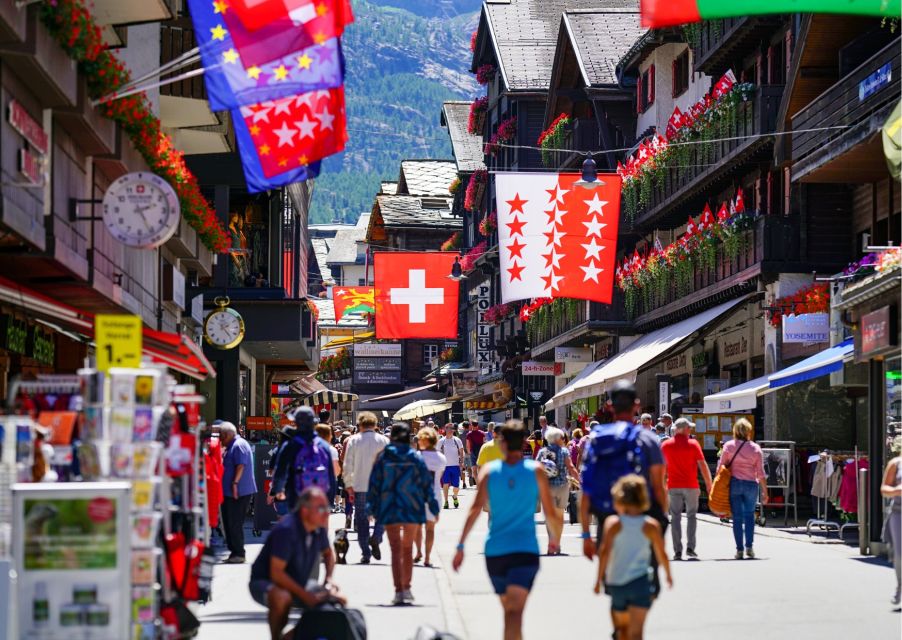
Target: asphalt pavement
[{"x": 797, "y": 587}]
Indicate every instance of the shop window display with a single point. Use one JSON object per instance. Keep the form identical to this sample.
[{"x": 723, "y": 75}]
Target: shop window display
[{"x": 249, "y": 247}]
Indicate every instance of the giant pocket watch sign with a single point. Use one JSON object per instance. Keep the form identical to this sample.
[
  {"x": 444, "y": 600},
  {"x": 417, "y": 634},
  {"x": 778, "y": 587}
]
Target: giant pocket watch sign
[
  {"x": 224, "y": 327},
  {"x": 141, "y": 210}
]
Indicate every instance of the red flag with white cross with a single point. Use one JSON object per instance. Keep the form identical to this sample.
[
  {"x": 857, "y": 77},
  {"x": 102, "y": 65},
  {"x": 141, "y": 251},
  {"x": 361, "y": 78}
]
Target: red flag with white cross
[
  {"x": 557, "y": 238},
  {"x": 414, "y": 296}
]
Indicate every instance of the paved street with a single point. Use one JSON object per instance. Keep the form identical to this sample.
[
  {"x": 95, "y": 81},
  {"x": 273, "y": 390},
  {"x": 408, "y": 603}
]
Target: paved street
[{"x": 797, "y": 588}]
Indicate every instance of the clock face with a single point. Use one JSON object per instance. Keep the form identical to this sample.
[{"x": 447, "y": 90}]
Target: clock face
[
  {"x": 224, "y": 328},
  {"x": 141, "y": 210}
]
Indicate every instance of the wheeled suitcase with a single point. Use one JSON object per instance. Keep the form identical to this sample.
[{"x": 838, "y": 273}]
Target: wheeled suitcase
[
  {"x": 331, "y": 622},
  {"x": 573, "y": 508}
]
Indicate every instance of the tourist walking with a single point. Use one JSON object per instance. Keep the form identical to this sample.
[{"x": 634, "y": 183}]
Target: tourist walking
[
  {"x": 511, "y": 487},
  {"x": 361, "y": 451},
  {"x": 475, "y": 440},
  {"x": 400, "y": 489},
  {"x": 435, "y": 463},
  {"x": 629, "y": 541},
  {"x": 555, "y": 460},
  {"x": 286, "y": 433},
  {"x": 613, "y": 451},
  {"x": 745, "y": 461},
  {"x": 306, "y": 460},
  {"x": 238, "y": 487},
  {"x": 453, "y": 449},
  {"x": 491, "y": 450},
  {"x": 683, "y": 459},
  {"x": 892, "y": 489}
]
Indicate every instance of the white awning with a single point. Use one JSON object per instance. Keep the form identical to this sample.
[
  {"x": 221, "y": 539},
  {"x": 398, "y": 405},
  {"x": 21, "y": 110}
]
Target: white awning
[
  {"x": 644, "y": 350},
  {"x": 739, "y": 398},
  {"x": 421, "y": 409},
  {"x": 582, "y": 375}
]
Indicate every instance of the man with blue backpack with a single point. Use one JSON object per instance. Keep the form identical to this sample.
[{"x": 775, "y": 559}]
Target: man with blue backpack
[
  {"x": 615, "y": 450},
  {"x": 305, "y": 461}
]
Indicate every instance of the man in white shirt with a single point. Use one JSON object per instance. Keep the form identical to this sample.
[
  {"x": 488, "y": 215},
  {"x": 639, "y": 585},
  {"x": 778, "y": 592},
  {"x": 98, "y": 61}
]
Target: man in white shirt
[
  {"x": 453, "y": 449},
  {"x": 361, "y": 451}
]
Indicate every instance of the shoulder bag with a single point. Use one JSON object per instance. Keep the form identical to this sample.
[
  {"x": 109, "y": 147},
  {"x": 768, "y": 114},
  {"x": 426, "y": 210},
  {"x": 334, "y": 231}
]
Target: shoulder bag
[{"x": 719, "y": 498}]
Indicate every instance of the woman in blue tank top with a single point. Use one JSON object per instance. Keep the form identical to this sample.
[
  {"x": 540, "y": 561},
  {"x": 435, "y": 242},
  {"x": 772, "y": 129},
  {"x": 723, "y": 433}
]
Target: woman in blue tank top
[{"x": 511, "y": 487}]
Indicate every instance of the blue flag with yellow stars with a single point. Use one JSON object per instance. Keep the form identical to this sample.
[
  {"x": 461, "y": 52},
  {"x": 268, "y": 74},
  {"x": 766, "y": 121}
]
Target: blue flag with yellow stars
[{"x": 232, "y": 84}]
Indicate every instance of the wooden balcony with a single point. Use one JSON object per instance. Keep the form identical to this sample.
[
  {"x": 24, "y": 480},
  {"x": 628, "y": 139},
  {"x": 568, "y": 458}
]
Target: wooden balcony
[
  {"x": 718, "y": 44},
  {"x": 176, "y": 38},
  {"x": 703, "y": 166},
  {"x": 857, "y": 106},
  {"x": 770, "y": 245},
  {"x": 575, "y": 321}
]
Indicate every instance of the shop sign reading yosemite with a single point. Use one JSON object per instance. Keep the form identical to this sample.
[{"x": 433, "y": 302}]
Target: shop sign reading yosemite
[{"x": 806, "y": 327}]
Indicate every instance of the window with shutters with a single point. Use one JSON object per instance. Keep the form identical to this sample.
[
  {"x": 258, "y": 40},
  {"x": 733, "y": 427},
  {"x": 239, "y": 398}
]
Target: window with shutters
[
  {"x": 645, "y": 90},
  {"x": 681, "y": 74}
]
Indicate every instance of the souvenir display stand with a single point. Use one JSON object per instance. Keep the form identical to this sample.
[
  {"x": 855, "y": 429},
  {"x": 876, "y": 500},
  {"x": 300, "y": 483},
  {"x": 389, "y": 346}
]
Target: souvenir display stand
[
  {"x": 133, "y": 429},
  {"x": 782, "y": 469}
]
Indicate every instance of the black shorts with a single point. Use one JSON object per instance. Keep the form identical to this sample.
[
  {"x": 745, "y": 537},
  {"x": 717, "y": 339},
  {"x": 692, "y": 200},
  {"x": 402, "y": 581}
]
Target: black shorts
[
  {"x": 259, "y": 588},
  {"x": 518, "y": 569}
]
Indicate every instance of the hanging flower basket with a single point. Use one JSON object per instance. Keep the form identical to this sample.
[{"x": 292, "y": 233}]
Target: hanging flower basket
[
  {"x": 485, "y": 73},
  {"x": 476, "y": 120},
  {"x": 498, "y": 313},
  {"x": 553, "y": 138},
  {"x": 454, "y": 186},
  {"x": 814, "y": 298},
  {"x": 489, "y": 224},
  {"x": 468, "y": 261},
  {"x": 452, "y": 243},
  {"x": 506, "y": 131},
  {"x": 475, "y": 190}
]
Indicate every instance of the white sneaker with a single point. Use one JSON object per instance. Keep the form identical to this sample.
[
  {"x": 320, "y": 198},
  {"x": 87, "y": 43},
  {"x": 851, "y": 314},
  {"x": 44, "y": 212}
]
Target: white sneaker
[
  {"x": 398, "y": 599},
  {"x": 750, "y": 553},
  {"x": 407, "y": 596}
]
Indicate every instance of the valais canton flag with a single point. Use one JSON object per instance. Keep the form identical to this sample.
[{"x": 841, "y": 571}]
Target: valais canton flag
[
  {"x": 304, "y": 23},
  {"x": 557, "y": 239},
  {"x": 290, "y": 133},
  {"x": 231, "y": 84}
]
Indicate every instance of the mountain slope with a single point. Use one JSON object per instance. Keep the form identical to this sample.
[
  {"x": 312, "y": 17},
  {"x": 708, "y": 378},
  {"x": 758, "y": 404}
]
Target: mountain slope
[{"x": 400, "y": 68}]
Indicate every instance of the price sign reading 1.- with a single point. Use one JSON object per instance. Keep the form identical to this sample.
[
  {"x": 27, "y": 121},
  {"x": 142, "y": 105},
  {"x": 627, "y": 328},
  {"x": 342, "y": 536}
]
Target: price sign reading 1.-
[{"x": 118, "y": 340}]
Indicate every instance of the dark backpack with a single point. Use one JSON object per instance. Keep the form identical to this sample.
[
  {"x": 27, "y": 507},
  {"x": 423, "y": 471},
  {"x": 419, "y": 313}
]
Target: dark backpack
[
  {"x": 612, "y": 452},
  {"x": 313, "y": 466},
  {"x": 331, "y": 622}
]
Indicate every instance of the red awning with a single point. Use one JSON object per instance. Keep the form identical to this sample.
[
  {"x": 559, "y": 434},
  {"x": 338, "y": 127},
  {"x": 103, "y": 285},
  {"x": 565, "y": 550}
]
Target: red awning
[{"x": 173, "y": 350}]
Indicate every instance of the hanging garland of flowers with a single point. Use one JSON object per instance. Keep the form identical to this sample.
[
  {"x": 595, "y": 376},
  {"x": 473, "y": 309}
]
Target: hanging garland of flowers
[
  {"x": 543, "y": 313},
  {"x": 672, "y": 268},
  {"x": 468, "y": 261},
  {"x": 485, "y": 73},
  {"x": 496, "y": 314},
  {"x": 506, "y": 131},
  {"x": 476, "y": 119},
  {"x": 553, "y": 138},
  {"x": 72, "y": 26},
  {"x": 712, "y": 116},
  {"x": 475, "y": 190},
  {"x": 815, "y": 298},
  {"x": 489, "y": 224},
  {"x": 454, "y": 186},
  {"x": 452, "y": 243}
]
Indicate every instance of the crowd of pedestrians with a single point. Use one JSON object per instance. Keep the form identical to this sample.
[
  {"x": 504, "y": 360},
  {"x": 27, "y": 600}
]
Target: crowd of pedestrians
[{"x": 629, "y": 476}]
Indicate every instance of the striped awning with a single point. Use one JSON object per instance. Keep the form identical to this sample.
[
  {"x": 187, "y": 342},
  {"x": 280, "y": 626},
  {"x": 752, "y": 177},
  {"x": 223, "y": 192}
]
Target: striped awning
[{"x": 328, "y": 396}]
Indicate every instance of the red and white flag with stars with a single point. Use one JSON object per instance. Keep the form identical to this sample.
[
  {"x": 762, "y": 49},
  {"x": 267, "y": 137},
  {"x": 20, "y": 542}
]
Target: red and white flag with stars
[
  {"x": 295, "y": 131},
  {"x": 557, "y": 238}
]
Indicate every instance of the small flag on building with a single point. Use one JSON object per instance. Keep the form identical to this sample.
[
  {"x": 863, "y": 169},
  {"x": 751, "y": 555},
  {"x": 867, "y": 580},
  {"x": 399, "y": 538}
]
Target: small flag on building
[{"x": 353, "y": 301}]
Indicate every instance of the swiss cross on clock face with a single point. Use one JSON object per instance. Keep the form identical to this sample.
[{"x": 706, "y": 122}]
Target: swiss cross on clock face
[{"x": 141, "y": 210}]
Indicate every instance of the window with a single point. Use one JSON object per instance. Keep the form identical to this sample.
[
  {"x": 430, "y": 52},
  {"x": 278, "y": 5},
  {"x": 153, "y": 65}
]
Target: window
[
  {"x": 681, "y": 74},
  {"x": 645, "y": 90},
  {"x": 361, "y": 282},
  {"x": 430, "y": 353}
]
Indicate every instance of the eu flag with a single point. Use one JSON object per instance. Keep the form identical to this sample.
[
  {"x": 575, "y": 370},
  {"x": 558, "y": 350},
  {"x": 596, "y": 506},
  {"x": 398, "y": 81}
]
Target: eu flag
[
  {"x": 254, "y": 175},
  {"x": 231, "y": 82}
]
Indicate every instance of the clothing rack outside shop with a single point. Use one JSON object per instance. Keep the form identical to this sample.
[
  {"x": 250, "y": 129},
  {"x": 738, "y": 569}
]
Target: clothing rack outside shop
[{"x": 822, "y": 503}]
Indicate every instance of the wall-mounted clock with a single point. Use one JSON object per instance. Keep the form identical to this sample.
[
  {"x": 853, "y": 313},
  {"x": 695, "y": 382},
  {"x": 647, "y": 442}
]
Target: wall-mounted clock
[
  {"x": 224, "y": 327},
  {"x": 141, "y": 210}
]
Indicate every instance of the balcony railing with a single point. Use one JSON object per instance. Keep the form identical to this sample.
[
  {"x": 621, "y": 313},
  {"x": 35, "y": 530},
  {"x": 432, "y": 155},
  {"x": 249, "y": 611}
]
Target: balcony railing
[
  {"x": 554, "y": 324},
  {"x": 717, "y": 43},
  {"x": 176, "y": 38},
  {"x": 771, "y": 241},
  {"x": 854, "y": 108},
  {"x": 696, "y": 166}
]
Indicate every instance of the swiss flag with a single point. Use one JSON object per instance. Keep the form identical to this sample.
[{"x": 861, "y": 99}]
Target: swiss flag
[
  {"x": 691, "y": 228},
  {"x": 415, "y": 298},
  {"x": 722, "y": 213},
  {"x": 722, "y": 86},
  {"x": 740, "y": 201},
  {"x": 707, "y": 218},
  {"x": 556, "y": 237}
]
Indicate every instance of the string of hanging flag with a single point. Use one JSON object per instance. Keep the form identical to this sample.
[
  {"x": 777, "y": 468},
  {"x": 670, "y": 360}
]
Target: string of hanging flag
[{"x": 277, "y": 66}]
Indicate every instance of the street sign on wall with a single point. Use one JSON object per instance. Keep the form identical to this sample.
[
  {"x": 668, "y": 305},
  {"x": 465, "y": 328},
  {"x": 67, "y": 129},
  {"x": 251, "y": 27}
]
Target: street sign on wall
[
  {"x": 572, "y": 354},
  {"x": 534, "y": 368}
]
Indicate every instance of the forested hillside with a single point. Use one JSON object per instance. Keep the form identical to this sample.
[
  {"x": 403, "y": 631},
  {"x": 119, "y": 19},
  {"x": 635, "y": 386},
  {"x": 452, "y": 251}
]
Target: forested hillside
[{"x": 401, "y": 66}]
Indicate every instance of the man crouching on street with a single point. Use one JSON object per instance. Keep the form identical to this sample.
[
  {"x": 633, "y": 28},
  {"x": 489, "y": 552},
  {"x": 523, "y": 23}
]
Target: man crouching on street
[{"x": 293, "y": 549}]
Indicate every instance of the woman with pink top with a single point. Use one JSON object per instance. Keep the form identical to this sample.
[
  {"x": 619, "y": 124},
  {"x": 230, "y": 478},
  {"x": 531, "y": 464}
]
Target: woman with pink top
[{"x": 746, "y": 464}]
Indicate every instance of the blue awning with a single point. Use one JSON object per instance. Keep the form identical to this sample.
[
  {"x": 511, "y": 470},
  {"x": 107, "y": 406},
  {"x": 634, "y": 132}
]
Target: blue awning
[{"x": 818, "y": 365}]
